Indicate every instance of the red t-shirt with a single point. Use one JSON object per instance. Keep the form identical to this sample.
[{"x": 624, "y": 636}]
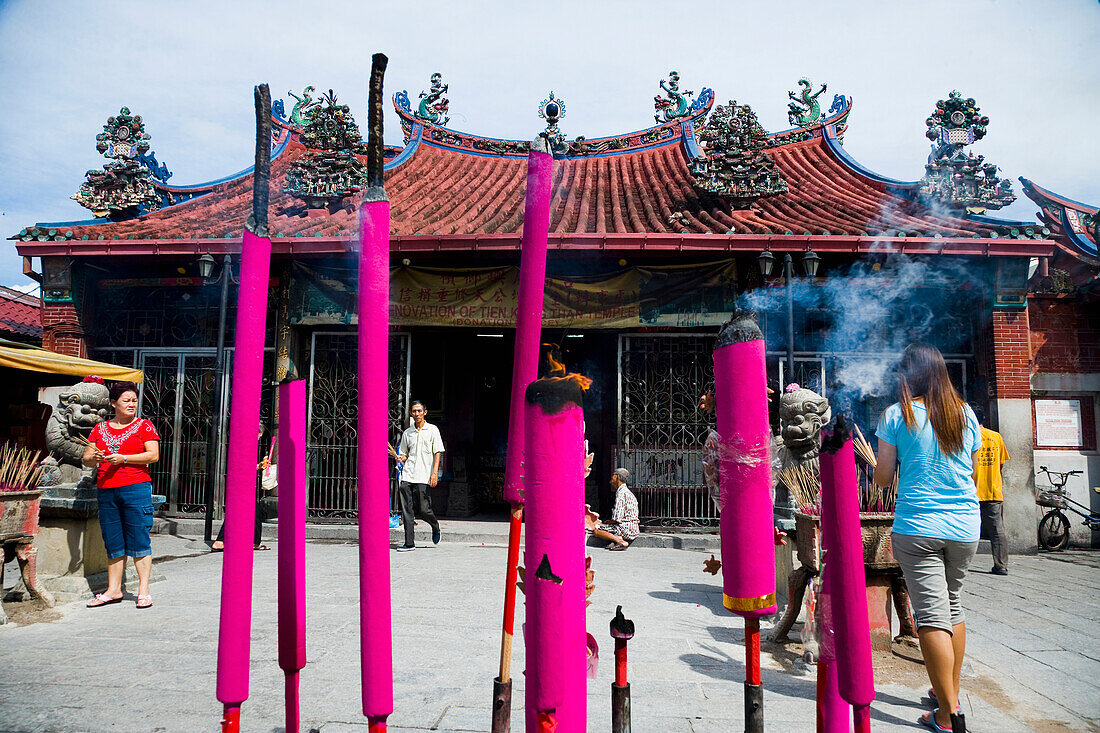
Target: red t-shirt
[{"x": 127, "y": 441}]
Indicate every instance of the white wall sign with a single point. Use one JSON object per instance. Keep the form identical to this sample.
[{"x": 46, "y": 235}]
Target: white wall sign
[{"x": 1058, "y": 423}]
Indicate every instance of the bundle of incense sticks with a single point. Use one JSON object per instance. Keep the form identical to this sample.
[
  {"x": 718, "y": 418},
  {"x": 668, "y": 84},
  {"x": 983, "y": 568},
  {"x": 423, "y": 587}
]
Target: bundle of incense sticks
[
  {"x": 804, "y": 484},
  {"x": 19, "y": 468},
  {"x": 873, "y": 498}
]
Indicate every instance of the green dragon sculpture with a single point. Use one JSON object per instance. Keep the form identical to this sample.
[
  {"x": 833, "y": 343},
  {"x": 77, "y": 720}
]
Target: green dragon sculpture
[
  {"x": 804, "y": 110},
  {"x": 677, "y": 106},
  {"x": 299, "y": 116},
  {"x": 433, "y": 105}
]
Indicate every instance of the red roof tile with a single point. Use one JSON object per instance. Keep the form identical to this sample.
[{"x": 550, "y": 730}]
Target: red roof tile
[{"x": 20, "y": 314}]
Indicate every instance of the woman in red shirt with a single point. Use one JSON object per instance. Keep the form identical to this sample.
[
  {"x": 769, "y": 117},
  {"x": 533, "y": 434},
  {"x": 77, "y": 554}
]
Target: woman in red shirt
[{"x": 121, "y": 449}]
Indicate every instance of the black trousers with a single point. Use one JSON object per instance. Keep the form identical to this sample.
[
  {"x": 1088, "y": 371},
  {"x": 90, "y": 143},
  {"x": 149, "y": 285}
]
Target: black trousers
[
  {"x": 416, "y": 498},
  {"x": 993, "y": 529}
]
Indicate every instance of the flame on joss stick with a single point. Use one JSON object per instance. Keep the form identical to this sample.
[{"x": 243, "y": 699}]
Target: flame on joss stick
[
  {"x": 235, "y": 627},
  {"x": 554, "y": 478},
  {"x": 375, "y": 634}
]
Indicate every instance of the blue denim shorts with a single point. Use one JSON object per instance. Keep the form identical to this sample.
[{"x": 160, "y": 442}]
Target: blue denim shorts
[{"x": 125, "y": 518}]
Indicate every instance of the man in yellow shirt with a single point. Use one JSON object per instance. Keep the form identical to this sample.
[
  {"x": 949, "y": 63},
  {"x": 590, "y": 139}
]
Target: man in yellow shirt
[{"x": 987, "y": 477}]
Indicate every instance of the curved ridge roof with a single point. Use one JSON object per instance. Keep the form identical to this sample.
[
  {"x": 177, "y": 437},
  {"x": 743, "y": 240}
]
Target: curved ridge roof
[
  {"x": 1077, "y": 222},
  {"x": 453, "y": 187}
]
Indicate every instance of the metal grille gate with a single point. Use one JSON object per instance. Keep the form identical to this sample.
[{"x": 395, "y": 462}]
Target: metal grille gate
[
  {"x": 177, "y": 396},
  {"x": 661, "y": 430},
  {"x": 333, "y": 435}
]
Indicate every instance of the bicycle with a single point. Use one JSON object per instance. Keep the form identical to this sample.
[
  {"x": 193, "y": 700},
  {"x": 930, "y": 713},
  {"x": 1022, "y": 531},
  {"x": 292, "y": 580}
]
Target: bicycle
[{"x": 1054, "y": 526}]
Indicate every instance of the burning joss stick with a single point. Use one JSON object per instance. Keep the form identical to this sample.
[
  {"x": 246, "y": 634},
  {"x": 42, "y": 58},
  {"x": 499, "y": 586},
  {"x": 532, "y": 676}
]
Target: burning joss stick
[
  {"x": 235, "y": 631},
  {"x": 532, "y": 281},
  {"x": 844, "y": 575},
  {"x": 745, "y": 481},
  {"x": 375, "y": 631},
  {"x": 555, "y": 684},
  {"x": 292, "y": 541}
]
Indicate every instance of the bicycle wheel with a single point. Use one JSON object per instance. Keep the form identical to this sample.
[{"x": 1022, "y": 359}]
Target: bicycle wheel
[{"x": 1054, "y": 531}]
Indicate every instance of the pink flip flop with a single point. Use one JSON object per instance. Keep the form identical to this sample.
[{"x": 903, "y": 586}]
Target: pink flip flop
[
  {"x": 101, "y": 599},
  {"x": 144, "y": 602}
]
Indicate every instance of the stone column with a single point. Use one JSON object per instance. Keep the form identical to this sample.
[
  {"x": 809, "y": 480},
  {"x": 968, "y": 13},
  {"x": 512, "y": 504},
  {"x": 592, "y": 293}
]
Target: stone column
[{"x": 1012, "y": 381}]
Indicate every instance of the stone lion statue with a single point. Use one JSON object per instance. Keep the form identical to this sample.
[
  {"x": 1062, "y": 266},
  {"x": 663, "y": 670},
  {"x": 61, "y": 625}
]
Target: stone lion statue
[
  {"x": 802, "y": 415},
  {"x": 79, "y": 408}
]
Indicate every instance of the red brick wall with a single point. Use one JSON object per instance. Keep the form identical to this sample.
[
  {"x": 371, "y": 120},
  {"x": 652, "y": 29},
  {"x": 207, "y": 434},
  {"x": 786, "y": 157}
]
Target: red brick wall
[
  {"x": 62, "y": 331},
  {"x": 1011, "y": 354},
  {"x": 1065, "y": 335}
]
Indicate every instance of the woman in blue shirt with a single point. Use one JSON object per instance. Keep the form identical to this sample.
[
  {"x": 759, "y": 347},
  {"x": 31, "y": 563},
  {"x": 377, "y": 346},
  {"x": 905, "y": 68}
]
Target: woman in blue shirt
[{"x": 931, "y": 438}]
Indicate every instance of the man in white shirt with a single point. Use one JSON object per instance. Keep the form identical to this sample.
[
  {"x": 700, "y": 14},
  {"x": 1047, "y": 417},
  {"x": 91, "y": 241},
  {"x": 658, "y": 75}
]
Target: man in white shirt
[{"x": 419, "y": 452}]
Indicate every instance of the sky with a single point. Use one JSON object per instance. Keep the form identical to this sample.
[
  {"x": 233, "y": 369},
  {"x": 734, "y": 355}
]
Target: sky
[{"x": 188, "y": 68}]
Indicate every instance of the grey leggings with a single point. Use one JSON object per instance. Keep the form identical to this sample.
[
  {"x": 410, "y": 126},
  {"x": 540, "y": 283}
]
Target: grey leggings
[{"x": 934, "y": 570}]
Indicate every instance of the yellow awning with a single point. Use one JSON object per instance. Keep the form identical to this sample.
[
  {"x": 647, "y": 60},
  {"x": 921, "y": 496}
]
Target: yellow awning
[{"x": 35, "y": 359}]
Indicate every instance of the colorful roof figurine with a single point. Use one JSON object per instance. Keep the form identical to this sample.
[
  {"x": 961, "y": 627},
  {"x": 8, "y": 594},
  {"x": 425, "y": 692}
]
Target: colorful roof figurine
[
  {"x": 330, "y": 170},
  {"x": 734, "y": 165},
  {"x": 122, "y": 187},
  {"x": 454, "y": 191},
  {"x": 955, "y": 178},
  {"x": 804, "y": 110}
]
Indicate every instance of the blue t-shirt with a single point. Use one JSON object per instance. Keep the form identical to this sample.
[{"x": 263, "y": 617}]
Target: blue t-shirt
[{"x": 936, "y": 493}]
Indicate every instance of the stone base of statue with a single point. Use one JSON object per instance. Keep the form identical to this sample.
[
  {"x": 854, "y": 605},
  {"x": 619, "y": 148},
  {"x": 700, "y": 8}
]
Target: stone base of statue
[{"x": 72, "y": 561}]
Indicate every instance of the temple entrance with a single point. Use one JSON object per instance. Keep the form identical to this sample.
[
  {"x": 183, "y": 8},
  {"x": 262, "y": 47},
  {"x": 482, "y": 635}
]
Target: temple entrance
[
  {"x": 661, "y": 429},
  {"x": 332, "y": 435}
]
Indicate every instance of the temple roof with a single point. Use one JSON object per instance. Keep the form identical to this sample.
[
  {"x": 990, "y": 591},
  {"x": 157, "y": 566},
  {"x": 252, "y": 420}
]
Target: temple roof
[
  {"x": 19, "y": 314},
  {"x": 453, "y": 191},
  {"x": 1079, "y": 223}
]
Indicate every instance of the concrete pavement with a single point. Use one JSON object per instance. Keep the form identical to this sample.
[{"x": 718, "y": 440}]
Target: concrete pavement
[{"x": 1034, "y": 649}]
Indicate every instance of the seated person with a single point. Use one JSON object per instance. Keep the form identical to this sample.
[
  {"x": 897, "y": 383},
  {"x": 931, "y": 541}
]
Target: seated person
[{"x": 623, "y": 526}]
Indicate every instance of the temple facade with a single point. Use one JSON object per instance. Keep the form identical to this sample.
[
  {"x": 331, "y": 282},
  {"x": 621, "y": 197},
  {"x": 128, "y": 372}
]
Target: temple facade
[{"x": 655, "y": 235}]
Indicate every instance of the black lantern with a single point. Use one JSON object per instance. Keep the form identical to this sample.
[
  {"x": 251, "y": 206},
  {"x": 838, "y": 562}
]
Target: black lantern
[
  {"x": 766, "y": 260},
  {"x": 810, "y": 262},
  {"x": 206, "y": 266}
]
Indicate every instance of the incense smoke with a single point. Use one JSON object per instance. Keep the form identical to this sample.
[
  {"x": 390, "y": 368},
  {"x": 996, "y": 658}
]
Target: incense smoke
[{"x": 862, "y": 317}]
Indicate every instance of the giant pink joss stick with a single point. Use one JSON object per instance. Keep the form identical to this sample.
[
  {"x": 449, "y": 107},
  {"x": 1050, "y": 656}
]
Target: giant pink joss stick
[
  {"x": 376, "y": 662},
  {"x": 745, "y": 480},
  {"x": 235, "y": 629},
  {"x": 554, "y": 479},
  {"x": 532, "y": 282},
  {"x": 844, "y": 568},
  {"x": 292, "y": 541}
]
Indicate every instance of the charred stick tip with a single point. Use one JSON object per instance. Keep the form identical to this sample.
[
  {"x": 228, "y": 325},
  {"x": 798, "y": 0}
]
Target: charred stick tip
[
  {"x": 261, "y": 178},
  {"x": 621, "y": 626},
  {"x": 554, "y": 394},
  {"x": 741, "y": 327},
  {"x": 836, "y": 440},
  {"x": 374, "y": 121}
]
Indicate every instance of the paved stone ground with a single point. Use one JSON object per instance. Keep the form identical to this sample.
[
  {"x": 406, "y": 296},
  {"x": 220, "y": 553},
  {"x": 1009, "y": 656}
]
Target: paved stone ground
[{"x": 1034, "y": 649}]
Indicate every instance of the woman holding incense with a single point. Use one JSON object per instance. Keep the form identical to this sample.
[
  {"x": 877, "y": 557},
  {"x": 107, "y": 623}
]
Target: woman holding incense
[
  {"x": 931, "y": 437},
  {"x": 121, "y": 449}
]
